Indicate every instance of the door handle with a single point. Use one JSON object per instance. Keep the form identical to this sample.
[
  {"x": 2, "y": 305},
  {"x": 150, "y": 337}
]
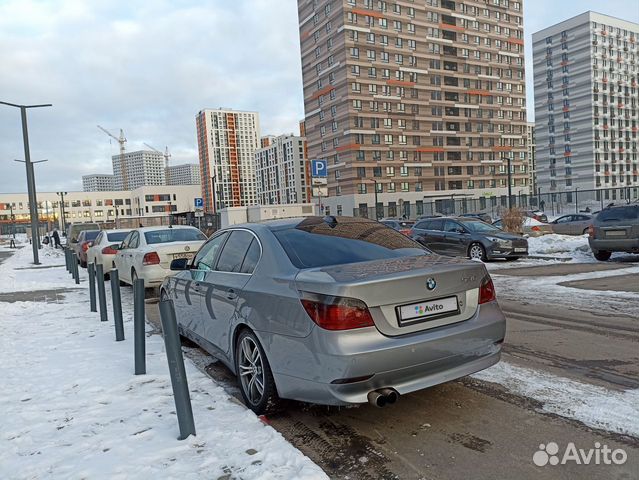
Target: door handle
[{"x": 230, "y": 294}]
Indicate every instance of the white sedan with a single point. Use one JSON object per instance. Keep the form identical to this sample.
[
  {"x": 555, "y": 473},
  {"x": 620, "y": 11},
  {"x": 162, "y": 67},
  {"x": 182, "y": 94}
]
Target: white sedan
[
  {"x": 147, "y": 252},
  {"x": 102, "y": 251}
]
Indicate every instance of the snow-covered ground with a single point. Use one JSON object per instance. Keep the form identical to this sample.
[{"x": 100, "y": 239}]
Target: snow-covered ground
[
  {"x": 595, "y": 406},
  {"x": 72, "y": 408}
]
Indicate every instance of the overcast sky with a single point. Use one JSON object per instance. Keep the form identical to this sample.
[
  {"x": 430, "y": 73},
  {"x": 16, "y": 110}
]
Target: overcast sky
[{"x": 149, "y": 67}]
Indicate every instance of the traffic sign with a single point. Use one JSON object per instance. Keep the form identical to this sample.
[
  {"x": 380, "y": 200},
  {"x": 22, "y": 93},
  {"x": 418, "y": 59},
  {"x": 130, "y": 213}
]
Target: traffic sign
[
  {"x": 199, "y": 202},
  {"x": 319, "y": 168}
]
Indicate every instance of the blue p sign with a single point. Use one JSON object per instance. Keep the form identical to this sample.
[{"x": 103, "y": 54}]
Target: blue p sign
[
  {"x": 199, "y": 202},
  {"x": 319, "y": 168}
]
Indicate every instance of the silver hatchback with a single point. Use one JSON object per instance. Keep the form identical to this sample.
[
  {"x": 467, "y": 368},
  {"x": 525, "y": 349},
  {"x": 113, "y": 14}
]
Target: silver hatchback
[{"x": 335, "y": 310}]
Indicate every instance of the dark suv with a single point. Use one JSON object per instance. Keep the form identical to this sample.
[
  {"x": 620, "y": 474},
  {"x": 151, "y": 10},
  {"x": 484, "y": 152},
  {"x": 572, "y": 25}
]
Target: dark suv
[
  {"x": 615, "y": 229},
  {"x": 468, "y": 237}
]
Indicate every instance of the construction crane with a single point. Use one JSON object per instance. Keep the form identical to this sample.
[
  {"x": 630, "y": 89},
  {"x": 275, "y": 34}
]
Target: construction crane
[
  {"x": 167, "y": 156},
  {"x": 121, "y": 140}
]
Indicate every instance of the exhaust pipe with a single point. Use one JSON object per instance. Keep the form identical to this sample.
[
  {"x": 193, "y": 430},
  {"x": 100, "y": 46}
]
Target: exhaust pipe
[
  {"x": 376, "y": 399},
  {"x": 391, "y": 395}
]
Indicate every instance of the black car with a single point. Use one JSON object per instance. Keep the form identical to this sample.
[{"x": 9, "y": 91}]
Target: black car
[
  {"x": 615, "y": 229},
  {"x": 468, "y": 237}
]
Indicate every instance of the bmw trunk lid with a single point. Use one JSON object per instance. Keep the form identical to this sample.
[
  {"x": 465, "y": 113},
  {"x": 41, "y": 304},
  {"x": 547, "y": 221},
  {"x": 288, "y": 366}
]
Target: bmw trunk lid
[{"x": 406, "y": 294}]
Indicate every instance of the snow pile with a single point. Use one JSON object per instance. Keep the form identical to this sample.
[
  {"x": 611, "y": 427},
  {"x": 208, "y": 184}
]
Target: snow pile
[
  {"x": 72, "y": 407},
  {"x": 593, "y": 405},
  {"x": 561, "y": 246}
]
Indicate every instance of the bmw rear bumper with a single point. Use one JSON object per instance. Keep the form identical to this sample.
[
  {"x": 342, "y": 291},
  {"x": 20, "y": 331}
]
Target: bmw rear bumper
[
  {"x": 628, "y": 245},
  {"x": 406, "y": 363}
]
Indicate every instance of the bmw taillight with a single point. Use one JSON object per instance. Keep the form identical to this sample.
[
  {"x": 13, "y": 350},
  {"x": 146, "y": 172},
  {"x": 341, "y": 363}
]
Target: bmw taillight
[
  {"x": 405, "y": 231},
  {"x": 336, "y": 313},
  {"x": 109, "y": 251},
  {"x": 85, "y": 246},
  {"x": 487, "y": 290},
  {"x": 151, "y": 258},
  {"x": 535, "y": 229}
]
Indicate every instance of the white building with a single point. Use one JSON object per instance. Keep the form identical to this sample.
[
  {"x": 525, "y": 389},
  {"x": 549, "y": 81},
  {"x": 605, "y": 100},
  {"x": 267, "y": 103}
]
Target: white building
[
  {"x": 185, "y": 174},
  {"x": 227, "y": 140},
  {"x": 141, "y": 168},
  {"x": 97, "y": 182},
  {"x": 586, "y": 105},
  {"x": 283, "y": 172},
  {"x": 141, "y": 203}
]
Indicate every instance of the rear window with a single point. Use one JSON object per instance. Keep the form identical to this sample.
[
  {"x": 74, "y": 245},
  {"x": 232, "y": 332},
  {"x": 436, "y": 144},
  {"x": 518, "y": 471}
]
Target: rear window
[
  {"x": 315, "y": 243},
  {"x": 619, "y": 214},
  {"x": 169, "y": 235},
  {"x": 91, "y": 235},
  {"x": 116, "y": 236}
]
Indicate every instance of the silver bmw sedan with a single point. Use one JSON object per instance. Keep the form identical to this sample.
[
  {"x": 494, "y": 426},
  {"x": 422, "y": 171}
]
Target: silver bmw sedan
[{"x": 334, "y": 310}]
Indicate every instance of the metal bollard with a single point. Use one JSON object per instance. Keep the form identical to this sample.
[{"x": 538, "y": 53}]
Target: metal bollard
[
  {"x": 117, "y": 305},
  {"x": 91, "y": 270},
  {"x": 99, "y": 273},
  {"x": 67, "y": 252},
  {"x": 176, "y": 369},
  {"x": 139, "y": 335},
  {"x": 66, "y": 258},
  {"x": 76, "y": 269}
]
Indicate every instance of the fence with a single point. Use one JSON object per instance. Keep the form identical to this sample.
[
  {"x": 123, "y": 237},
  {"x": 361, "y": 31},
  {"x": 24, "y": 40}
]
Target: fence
[{"x": 560, "y": 203}]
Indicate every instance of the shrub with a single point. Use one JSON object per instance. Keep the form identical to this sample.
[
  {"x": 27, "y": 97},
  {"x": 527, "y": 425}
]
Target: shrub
[{"x": 513, "y": 220}]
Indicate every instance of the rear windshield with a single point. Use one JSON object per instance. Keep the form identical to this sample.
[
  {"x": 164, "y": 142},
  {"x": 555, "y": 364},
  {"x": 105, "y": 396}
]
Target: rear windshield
[
  {"x": 315, "y": 243},
  {"x": 168, "y": 235},
  {"x": 619, "y": 213},
  {"x": 91, "y": 234},
  {"x": 116, "y": 236}
]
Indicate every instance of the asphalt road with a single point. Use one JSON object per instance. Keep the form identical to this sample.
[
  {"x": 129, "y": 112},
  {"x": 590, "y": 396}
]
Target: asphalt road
[{"x": 470, "y": 428}]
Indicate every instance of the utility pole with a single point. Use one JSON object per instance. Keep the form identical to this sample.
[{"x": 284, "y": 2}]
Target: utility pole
[
  {"x": 63, "y": 223},
  {"x": 510, "y": 189},
  {"x": 33, "y": 205}
]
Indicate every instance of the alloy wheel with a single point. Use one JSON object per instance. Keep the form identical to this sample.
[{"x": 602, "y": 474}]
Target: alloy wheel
[
  {"x": 251, "y": 370},
  {"x": 476, "y": 252}
]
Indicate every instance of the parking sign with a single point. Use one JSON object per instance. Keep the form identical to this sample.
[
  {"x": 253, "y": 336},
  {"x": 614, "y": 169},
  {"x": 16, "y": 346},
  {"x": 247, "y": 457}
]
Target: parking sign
[
  {"x": 199, "y": 202},
  {"x": 319, "y": 168}
]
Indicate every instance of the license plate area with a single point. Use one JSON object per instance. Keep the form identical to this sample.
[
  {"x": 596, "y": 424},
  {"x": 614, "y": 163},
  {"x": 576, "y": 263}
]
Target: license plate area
[
  {"x": 182, "y": 255},
  {"x": 427, "y": 310},
  {"x": 615, "y": 233},
  {"x": 521, "y": 249}
]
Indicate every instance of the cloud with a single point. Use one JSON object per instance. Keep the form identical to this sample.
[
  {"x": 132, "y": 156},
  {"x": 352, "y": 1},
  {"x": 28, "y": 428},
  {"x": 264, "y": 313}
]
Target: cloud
[{"x": 147, "y": 68}]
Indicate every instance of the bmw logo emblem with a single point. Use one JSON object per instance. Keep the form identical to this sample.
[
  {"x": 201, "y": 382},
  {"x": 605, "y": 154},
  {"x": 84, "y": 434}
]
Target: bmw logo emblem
[{"x": 431, "y": 284}]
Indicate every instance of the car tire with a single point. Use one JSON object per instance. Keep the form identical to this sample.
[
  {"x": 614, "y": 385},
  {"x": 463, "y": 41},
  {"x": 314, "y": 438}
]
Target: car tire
[
  {"x": 252, "y": 373},
  {"x": 602, "y": 255},
  {"x": 476, "y": 251}
]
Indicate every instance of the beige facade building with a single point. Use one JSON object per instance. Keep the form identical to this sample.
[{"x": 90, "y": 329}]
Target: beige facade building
[
  {"x": 417, "y": 100},
  {"x": 531, "y": 156},
  {"x": 141, "y": 203},
  {"x": 227, "y": 140},
  {"x": 282, "y": 171}
]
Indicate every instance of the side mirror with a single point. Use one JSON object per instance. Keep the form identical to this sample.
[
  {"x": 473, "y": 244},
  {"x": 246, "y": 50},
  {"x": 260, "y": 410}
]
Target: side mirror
[{"x": 180, "y": 264}]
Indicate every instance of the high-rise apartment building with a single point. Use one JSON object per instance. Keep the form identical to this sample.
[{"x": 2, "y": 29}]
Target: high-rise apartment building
[
  {"x": 141, "y": 168},
  {"x": 97, "y": 182},
  {"x": 586, "y": 108},
  {"x": 282, "y": 173},
  {"x": 185, "y": 174},
  {"x": 417, "y": 100},
  {"x": 227, "y": 140},
  {"x": 530, "y": 156}
]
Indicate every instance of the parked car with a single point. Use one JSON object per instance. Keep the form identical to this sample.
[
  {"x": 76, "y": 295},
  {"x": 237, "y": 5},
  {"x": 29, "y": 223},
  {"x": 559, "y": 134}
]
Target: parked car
[
  {"x": 104, "y": 248},
  {"x": 74, "y": 229},
  {"x": 576, "y": 224},
  {"x": 615, "y": 229},
  {"x": 82, "y": 244},
  {"x": 334, "y": 310},
  {"x": 537, "y": 215},
  {"x": 147, "y": 252},
  {"x": 484, "y": 217},
  {"x": 402, "y": 226},
  {"x": 530, "y": 227},
  {"x": 467, "y": 237}
]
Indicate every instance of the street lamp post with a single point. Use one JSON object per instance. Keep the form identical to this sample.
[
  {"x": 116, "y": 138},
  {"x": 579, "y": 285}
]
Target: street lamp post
[
  {"x": 376, "y": 212},
  {"x": 510, "y": 189},
  {"x": 33, "y": 206}
]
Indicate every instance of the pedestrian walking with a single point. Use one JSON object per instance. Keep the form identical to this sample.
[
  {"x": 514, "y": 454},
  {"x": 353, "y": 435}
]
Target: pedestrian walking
[
  {"x": 56, "y": 239},
  {"x": 542, "y": 204}
]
